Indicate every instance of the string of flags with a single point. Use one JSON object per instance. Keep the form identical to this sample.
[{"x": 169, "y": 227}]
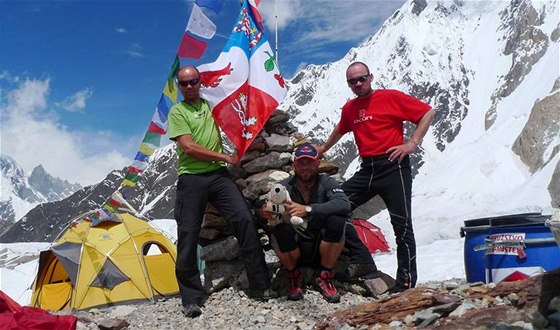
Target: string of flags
[
  {"x": 190, "y": 47},
  {"x": 243, "y": 86}
]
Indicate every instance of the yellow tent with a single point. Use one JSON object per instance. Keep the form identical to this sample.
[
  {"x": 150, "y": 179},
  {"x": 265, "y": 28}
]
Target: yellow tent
[{"x": 105, "y": 261}]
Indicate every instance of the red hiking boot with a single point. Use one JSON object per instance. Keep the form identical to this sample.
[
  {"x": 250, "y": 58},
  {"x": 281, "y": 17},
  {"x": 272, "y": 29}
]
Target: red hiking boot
[
  {"x": 295, "y": 284},
  {"x": 324, "y": 283}
]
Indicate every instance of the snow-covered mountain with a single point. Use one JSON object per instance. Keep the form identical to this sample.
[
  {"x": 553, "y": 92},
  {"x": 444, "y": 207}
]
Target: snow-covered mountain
[
  {"x": 490, "y": 69},
  {"x": 20, "y": 192},
  {"x": 153, "y": 197}
]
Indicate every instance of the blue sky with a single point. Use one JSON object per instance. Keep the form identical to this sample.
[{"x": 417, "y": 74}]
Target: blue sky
[{"x": 80, "y": 79}]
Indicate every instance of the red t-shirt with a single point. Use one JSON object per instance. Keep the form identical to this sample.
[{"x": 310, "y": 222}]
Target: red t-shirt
[{"x": 377, "y": 120}]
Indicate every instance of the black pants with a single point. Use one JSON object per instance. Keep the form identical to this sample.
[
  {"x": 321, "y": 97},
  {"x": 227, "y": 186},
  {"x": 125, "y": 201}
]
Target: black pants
[
  {"x": 330, "y": 229},
  {"x": 359, "y": 253},
  {"x": 393, "y": 183},
  {"x": 193, "y": 192}
]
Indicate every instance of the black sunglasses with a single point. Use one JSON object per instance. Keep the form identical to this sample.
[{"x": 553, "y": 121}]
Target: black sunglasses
[
  {"x": 354, "y": 81},
  {"x": 185, "y": 83}
]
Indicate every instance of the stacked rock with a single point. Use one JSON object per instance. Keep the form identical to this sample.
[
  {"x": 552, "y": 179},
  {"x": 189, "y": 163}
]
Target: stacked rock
[{"x": 267, "y": 161}]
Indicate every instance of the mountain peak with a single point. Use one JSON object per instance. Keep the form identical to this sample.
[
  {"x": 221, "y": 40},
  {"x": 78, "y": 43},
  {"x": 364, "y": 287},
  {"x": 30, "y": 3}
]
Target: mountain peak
[
  {"x": 487, "y": 68},
  {"x": 38, "y": 171},
  {"x": 418, "y": 6},
  {"x": 21, "y": 193}
]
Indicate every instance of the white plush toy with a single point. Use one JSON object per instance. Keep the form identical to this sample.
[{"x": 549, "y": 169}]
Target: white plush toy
[{"x": 275, "y": 198}]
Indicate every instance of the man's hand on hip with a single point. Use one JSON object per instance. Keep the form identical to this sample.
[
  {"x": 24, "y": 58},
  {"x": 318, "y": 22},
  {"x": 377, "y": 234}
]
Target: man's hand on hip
[{"x": 401, "y": 151}]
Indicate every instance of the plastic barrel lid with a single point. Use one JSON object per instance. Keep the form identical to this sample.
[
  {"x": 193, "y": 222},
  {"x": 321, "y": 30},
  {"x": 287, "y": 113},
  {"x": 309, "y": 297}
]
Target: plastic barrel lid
[{"x": 508, "y": 220}]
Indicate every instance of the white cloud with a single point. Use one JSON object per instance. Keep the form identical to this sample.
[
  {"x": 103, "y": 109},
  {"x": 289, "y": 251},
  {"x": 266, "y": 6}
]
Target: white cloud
[
  {"x": 301, "y": 66},
  {"x": 32, "y": 135},
  {"x": 76, "y": 102},
  {"x": 4, "y": 75},
  {"x": 121, "y": 30},
  {"x": 135, "y": 50},
  {"x": 288, "y": 11},
  {"x": 327, "y": 21},
  {"x": 133, "y": 53}
]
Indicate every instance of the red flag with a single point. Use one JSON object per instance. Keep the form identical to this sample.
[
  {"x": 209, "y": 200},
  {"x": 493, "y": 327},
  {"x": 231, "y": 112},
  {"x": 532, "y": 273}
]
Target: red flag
[
  {"x": 154, "y": 128},
  {"x": 243, "y": 85},
  {"x": 191, "y": 47},
  {"x": 256, "y": 14}
]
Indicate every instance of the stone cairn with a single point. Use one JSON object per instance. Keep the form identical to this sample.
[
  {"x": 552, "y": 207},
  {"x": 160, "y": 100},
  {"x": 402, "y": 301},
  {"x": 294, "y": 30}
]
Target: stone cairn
[{"x": 267, "y": 161}]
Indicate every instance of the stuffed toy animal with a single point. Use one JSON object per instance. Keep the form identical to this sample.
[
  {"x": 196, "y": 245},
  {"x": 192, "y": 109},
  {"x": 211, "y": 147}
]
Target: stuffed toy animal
[{"x": 275, "y": 198}]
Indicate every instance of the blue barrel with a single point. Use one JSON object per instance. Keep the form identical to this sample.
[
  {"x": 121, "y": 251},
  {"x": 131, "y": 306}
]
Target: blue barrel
[
  {"x": 475, "y": 264},
  {"x": 481, "y": 262}
]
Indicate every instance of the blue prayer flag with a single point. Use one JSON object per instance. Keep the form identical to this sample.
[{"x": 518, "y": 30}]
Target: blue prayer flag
[{"x": 215, "y": 5}]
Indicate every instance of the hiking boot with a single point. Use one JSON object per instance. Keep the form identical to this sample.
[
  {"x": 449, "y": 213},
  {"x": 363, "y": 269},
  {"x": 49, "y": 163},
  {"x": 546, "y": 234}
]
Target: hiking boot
[
  {"x": 324, "y": 283},
  {"x": 262, "y": 294},
  {"x": 401, "y": 285},
  {"x": 295, "y": 284},
  {"x": 192, "y": 310},
  {"x": 396, "y": 289},
  {"x": 268, "y": 294}
]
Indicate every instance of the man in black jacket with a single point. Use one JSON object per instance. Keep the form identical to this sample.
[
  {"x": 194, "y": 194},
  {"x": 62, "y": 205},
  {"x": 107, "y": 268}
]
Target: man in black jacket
[{"x": 318, "y": 199}]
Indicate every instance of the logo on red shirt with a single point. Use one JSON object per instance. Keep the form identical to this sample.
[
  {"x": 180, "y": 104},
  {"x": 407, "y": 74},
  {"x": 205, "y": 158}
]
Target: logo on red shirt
[{"x": 362, "y": 117}]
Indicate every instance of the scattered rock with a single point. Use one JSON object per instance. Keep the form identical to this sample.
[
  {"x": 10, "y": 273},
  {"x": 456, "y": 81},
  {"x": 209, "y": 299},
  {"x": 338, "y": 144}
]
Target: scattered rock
[
  {"x": 113, "y": 324},
  {"x": 506, "y": 305}
]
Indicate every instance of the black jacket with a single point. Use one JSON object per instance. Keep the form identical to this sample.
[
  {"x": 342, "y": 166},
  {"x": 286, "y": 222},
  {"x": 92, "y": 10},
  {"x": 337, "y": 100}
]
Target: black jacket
[{"x": 326, "y": 197}]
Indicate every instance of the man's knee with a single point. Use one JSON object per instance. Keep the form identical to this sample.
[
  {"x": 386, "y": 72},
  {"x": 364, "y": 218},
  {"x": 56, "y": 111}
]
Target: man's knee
[
  {"x": 334, "y": 229},
  {"x": 284, "y": 237}
]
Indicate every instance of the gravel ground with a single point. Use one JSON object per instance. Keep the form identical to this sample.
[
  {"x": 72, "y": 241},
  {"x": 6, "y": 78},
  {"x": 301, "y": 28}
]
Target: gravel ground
[{"x": 227, "y": 309}]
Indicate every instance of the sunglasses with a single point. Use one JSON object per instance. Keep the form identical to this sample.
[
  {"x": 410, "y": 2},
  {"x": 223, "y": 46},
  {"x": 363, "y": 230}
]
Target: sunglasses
[
  {"x": 361, "y": 79},
  {"x": 185, "y": 83}
]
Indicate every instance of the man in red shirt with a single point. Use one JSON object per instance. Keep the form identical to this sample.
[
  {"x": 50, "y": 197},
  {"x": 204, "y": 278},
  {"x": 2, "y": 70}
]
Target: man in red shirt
[{"x": 376, "y": 117}]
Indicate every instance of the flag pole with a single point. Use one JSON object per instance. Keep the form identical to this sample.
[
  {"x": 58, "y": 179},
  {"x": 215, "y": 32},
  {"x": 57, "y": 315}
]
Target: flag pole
[{"x": 276, "y": 31}]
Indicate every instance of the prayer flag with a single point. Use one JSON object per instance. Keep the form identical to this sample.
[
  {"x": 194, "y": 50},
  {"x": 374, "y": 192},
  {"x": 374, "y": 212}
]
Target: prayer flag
[
  {"x": 129, "y": 183},
  {"x": 134, "y": 170},
  {"x": 191, "y": 47},
  {"x": 170, "y": 88},
  {"x": 243, "y": 85},
  {"x": 112, "y": 205},
  {"x": 200, "y": 25},
  {"x": 155, "y": 128},
  {"x": 215, "y": 5},
  {"x": 138, "y": 166},
  {"x": 141, "y": 157},
  {"x": 147, "y": 149},
  {"x": 152, "y": 138},
  {"x": 162, "y": 109}
]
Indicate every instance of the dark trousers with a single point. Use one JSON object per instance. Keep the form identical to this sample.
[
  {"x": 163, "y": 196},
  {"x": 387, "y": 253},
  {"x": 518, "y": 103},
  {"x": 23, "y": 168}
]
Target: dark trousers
[
  {"x": 359, "y": 254},
  {"x": 193, "y": 192},
  {"x": 393, "y": 182},
  {"x": 329, "y": 229}
]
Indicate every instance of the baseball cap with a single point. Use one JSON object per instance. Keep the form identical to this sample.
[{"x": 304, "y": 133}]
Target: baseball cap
[{"x": 305, "y": 150}]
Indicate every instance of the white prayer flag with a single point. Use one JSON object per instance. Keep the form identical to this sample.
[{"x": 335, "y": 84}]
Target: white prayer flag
[{"x": 200, "y": 24}]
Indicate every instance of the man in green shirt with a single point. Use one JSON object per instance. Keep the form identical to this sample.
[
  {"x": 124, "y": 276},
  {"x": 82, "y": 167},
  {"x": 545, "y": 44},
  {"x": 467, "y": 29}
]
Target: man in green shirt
[{"x": 203, "y": 178}]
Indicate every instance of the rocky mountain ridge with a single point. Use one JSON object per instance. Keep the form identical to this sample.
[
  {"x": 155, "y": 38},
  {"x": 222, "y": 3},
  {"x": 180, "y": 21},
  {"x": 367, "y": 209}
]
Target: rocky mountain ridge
[
  {"x": 489, "y": 69},
  {"x": 20, "y": 192},
  {"x": 153, "y": 197}
]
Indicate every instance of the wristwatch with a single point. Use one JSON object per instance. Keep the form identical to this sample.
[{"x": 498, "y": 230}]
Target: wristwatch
[{"x": 308, "y": 209}]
